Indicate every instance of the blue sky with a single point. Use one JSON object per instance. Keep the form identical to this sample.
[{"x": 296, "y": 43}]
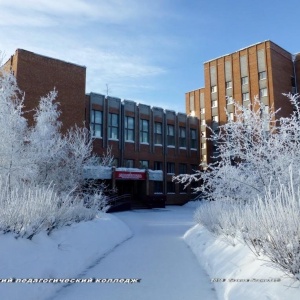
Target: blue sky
[{"x": 147, "y": 51}]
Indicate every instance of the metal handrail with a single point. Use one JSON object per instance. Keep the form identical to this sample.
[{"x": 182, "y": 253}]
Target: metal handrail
[{"x": 117, "y": 199}]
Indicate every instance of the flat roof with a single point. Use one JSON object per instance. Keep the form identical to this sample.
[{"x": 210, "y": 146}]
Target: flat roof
[
  {"x": 244, "y": 49},
  {"x": 48, "y": 57}
]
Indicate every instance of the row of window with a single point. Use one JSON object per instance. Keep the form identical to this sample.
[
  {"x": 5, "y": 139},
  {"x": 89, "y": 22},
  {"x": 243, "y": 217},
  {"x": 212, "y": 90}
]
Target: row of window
[
  {"x": 171, "y": 187},
  {"x": 245, "y": 96},
  {"x": 262, "y": 93},
  {"x": 158, "y": 165},
  {"x": 245, "y": 80},
  {"x": 113, "y": 130}
]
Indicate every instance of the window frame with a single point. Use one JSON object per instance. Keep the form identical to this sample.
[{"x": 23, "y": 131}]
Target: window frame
[
  {"x": 245, "y": 80},
  {"x": 144, "y": 131},
  {"x": 182, "y": 137},
  {"x": 229, "y": 100},
  {"x": 171, "y": 189},
  {"x": 263, "y": 92},
  {"x": 193, "y": 138},
  {"x": 112, "y": 126},
  {"x": 228, "y": 84},
  {"x": 171, "y": 168},
  {"x": 158, "y": 135},
  {"x": 129, "y": 129},
  {"x": 214, "y": 103},
  {"x": 262, "y": 75},
  {"x": 170, "y": 137},
  {"x": 94, "y": 124},
  {"x": 246, "y": 96},
  {"x": 213, "y": 89},
  {"x": 144, "y": 164},
  {"x": 158, "y": 165}
]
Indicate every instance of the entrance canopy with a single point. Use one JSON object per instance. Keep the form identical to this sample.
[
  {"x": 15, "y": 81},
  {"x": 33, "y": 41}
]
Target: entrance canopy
[
  {"x": 100, "y": 172},
  {"x": 130, "y": 174}
]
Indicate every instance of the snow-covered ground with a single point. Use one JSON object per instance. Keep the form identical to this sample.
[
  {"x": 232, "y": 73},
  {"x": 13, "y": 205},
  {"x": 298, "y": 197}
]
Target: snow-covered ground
[
  {"x": 66, "y": 253},
  {"x": 229, "y": 264},
  {"x": 156, "y": 254},
  {"x": 162, "y": 247}
]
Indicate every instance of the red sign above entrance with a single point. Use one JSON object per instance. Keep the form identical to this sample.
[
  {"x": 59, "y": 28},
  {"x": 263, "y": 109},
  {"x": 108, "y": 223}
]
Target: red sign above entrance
[{"x": 130, "y": 175}]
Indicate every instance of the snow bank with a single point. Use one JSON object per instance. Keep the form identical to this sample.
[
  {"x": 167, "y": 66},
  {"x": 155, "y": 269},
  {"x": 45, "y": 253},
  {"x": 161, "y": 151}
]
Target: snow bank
[
  {"x": 223, "y": 261},
  {"x": 66, "y": 253}
]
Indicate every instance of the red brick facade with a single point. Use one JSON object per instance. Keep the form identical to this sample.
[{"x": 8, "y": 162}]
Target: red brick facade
[
  {"x": 37, "y": 75},
  {"x": 265, "y": 70}
]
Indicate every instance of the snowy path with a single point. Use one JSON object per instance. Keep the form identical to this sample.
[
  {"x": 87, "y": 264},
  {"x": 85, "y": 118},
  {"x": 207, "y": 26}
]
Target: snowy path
[{"x": 157, "y": 254}]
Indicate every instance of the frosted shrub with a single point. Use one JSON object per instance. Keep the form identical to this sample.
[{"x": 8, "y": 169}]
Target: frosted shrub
[
  {"x": 222, "y": 218},
  {"x": 25, "y": 210},
  {"x": 278, "y": 233},
  {"x": 269, "y": 226}
]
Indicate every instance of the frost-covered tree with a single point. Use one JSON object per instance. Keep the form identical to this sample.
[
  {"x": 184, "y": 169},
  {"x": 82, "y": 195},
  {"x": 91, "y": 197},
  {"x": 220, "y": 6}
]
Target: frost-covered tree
[
  {"x": 253, "y": 150},
  {"x": 59, "y": 159},
  {"x": 14, "y": 159},
  {"x": 41, "y": 169}
]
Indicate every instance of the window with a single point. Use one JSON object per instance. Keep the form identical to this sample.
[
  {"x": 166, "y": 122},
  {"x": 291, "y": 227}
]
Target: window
[
  {"x": 158, "y": 187},
  {"x": 170, "y": 135},
  {"x": 215, "y": 119},
  {"x": 158, "y": 165},
  {"x": 245, "y": 96},
  {"x": 202, "y": 110},
  {"x": 230, "y": 116},
  {"x": 96, "y": 123},
  {"x": 144, "y": 164},
  {"x": 170, "y": 168},
  {"x": 115, "y": 162},
  {"x": 129, "y": 129},
  {"x": 214, "y": 89},
  {"x": 203, "y": 134},
  {"x": 158, "y": 133},
  {"x": 170, "y": 187},
  {"x": 262, "y": 75},
  {"x": 129, "y": 163},
  {"x": 203, "y": 122},
  {"x": 245, "y": 80},
  {"x": 113, "y": 124},
  {"x": 182, "y": 189},
  {"x": 182, "y": 137},
  {"x": 214, "y": 103},
  {"x": 263, "y": 92},
  {"x": 203, "y": 157},
  {"x": 229, "y": 100},
  {"x": 144, "y": 131},
  {"x": 228, "y": 84},
  {"x": 193, "y": 138},
  {"x": 182, "y": 168}
]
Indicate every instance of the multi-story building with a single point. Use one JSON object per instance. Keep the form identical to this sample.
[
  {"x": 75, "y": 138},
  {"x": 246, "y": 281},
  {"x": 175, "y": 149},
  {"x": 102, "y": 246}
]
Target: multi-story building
[
  {"x": 264, "y": 70},
  {"x": 149, "y": 144},
  {"x": 144, "y": 137}
]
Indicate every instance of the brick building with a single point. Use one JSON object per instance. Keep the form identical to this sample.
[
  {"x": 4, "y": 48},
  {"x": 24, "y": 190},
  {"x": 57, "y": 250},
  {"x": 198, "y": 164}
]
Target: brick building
[
  {"x": 37, "y": 75},
  {"x": 149, "y": 144},
  {"x": 263, "y": 69},
  {"x": 145, "y": 137}
]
